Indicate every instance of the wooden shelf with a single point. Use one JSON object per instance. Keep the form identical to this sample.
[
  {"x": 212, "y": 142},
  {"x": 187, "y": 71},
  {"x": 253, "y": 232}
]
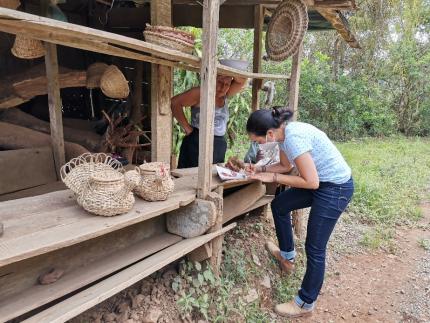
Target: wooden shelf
[
  {"x": 97, "y": 293},
  {"x": 72, "y": 35},
  {"x": 37, "y": 225},
  {"x": 39, "y": 295}
]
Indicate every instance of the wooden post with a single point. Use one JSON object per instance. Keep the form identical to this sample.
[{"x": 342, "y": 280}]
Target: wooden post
[
  {"x": 161, "y": 92},
  {"x": 207, "y": 95},
  {"x": 297, "y": 216},
  {"x": 256, "y": 65},
  {"x": 55, "y": 106},
  {"x": 216, "y": 247}
]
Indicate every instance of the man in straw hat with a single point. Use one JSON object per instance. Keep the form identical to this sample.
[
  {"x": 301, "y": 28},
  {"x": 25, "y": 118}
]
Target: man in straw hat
[{"x": 226, "y": 86}]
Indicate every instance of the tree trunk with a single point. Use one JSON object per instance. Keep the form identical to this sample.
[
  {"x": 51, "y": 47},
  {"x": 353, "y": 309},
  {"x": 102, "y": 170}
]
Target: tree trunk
[{"x": 16, "y": 137}]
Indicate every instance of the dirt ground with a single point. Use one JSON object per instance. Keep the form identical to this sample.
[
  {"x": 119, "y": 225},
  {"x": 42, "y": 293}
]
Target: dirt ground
[{"x": 361, "y": 285}]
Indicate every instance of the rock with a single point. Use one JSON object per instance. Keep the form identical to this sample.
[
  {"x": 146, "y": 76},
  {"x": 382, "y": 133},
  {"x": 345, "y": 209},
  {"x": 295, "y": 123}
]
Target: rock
[
  {"x": 146, "y": 287},
  {"x": 123, "y": 307},
  {"x": 369, "y": 312},
  {"x": 256, "y": 260},
  {"x": 265, "y": 282},
  {"x": 170, "y": 274},
  {"x": 192, "y": 220},
  {"x": 342, "y": 317},
  {"x": 51, "y": 277},
  {"x": 252, "y": 296},
  {"x": 152, "y": 315},
  {"x": 109, "y": 317},
  {"x": 326, "y": 310},
  {"x": 134, "y": 316},
  {"x": 354, "y": 314},
  {"x": 402, "y": 291},
  {"x": 123, "y": 317},
  {"x": 137, "y": 300}
]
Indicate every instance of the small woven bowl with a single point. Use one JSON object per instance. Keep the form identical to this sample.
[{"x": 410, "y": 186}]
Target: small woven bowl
[{"x": 114, "y": 84}]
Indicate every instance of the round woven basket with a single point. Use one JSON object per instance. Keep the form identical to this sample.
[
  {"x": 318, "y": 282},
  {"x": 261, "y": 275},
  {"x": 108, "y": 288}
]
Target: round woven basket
[
  {"x": 168, "y": 41},
  {"x": 114, "y": 84},
  {"x": 76, "y": 173},
  {"x": 286, "y": 29},
  {"x": 10, "y": 4},
  {"x": 94, "y": 74},
  {"x": 27, "y": 48},
  {"x": 156, "y": 183}
]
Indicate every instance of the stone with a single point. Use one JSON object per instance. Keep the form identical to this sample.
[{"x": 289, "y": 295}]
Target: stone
[
  {"x": 137, "y": 300},
  {"x": 123, "y": 307},
  {"x": 354, "y": 314},
  {"x": 265, "y": 282},
  {"x": 256, "y": 260},
  {"x": 152, "y": 315},
  {"x": 109, "y": 317},
  {"x": 192, "y": 220},
  {"x": 252, "y": 296}
]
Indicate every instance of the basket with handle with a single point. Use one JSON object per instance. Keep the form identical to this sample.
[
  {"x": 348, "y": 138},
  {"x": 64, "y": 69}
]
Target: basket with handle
[
  {"x": 27, "y": 48},
  {"x": 156, "y": 184}
]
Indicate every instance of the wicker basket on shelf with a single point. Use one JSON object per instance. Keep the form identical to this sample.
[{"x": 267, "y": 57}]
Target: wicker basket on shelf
[
  {"x": 170, "y": 37},
  {"x": 94, "y": 74},
  {"x": 114, "y": 84},
  {"x": 27, "y": 48},
  {"x": 286, "y": 29},
  {"x": 156, "y": 184},
  {"x": 10, "y": 4}
]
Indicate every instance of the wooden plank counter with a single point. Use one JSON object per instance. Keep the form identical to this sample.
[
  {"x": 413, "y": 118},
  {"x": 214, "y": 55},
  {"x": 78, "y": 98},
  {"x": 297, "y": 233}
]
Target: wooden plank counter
[{"x": 37, "y": 225}]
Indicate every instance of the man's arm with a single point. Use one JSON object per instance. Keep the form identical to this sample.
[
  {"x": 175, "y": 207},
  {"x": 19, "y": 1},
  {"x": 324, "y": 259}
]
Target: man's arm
[
  {"x": 236, "y": 86},
  {"x": 186, "y": 99}
]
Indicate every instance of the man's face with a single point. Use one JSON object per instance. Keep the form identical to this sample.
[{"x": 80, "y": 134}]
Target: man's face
[{"x": 223, "y": 85}]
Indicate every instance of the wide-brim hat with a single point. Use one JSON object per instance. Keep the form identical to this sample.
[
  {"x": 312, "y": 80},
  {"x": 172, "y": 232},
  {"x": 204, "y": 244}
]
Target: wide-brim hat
[{"x": 286, "y": 29}]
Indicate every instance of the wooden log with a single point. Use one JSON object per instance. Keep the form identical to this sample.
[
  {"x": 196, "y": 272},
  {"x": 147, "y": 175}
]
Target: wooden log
[
  {"x": 216, "y": 244},
  {"x": 19, "y": 88},
  {"x": 207, "y": 95},
  {"x": 256, "y": 66},
  {"x": 16, "y": 137},
  {"x": 87, "y": 139}
]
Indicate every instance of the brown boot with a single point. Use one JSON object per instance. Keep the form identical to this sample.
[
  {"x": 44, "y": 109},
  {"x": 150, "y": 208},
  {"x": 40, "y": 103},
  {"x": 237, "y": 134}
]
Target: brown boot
[
  {"x": 291, "y": 310},
  {"x": 286, "y": 265}
]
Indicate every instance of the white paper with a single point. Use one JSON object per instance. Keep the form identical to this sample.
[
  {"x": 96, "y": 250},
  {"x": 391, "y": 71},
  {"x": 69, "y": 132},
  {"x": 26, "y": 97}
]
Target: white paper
[{"x": 227, "y": 174}]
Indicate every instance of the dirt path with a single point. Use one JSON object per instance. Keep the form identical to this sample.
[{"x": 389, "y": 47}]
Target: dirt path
[{"x": 380, "y": 287}]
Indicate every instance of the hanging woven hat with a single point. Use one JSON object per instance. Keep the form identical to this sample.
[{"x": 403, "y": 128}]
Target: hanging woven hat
[
  {"x": 286, "y": 29},
  {"x": 10, "y": 4},
  {"x": 27, "y": 48},
  {"x": 94, "y": 74},
  {"x": 114, "y": 84}
]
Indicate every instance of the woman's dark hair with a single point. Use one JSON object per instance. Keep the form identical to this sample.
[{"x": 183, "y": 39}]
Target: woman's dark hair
[{"x": 260, "y": 121}]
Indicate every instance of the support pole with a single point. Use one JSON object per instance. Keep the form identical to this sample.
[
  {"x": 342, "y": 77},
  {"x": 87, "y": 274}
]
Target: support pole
[
  {"x": 207, "y": 95},
  {"x": 161, "y": 92},
  {"x": 256, "y": 65},
  {"x": 55, "y": 106}
]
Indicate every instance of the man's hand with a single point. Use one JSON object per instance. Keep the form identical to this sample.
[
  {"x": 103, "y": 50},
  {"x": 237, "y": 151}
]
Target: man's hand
[{"x": 235, "y": 164}]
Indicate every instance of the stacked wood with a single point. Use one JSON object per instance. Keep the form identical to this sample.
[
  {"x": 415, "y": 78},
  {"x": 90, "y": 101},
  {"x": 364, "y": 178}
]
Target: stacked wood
[
  {"x": 20, "y": 88},
  {"x": 88, "y": 139},
  {"x": 16, "y": 137}
]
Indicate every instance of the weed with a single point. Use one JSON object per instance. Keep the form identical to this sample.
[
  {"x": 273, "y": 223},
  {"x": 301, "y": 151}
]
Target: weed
[{"x": 424, "y": 243}]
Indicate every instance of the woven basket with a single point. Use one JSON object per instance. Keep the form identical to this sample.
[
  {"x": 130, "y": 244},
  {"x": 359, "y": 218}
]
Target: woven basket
[
  {"x": 286, "y": 29},
  {"x": 76, "y": 173},
  {"x": 172, "y": 32},
  {"x": 114, "y": 84},
  {"x": 10, "y": 4},
  {"x": 168, "y": 41},
  {"x": 27, "y": 48},
  {"x": 94, "y": 74},
  {"x": 156, "y": 184},
  {"x": 107, "y": 193}
]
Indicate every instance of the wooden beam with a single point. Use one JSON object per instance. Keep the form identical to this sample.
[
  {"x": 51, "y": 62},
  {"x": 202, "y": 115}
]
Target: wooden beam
[
  {"x": 207, "y": 95},
  {"x": 257, "y": 53},
  {"x": 55, "y": 106},
  {"x": 161, "y": 92},
  {"x": 216, "y": 248},
  {"x": 293, "y": 98}
]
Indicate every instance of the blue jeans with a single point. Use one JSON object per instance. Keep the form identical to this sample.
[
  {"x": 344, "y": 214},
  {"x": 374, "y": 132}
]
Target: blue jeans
[{"x": 327, "y": 204}]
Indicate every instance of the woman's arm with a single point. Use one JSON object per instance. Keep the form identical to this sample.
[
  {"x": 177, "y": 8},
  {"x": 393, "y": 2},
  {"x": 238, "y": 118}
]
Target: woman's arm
[
  {"x": 307, "y": 179},
  {"x": 186, "y": 99},
  {"x": 236, "y": 86}
]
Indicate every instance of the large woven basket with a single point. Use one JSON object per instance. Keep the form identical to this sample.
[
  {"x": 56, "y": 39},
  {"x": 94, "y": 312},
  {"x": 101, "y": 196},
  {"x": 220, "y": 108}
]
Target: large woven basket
[
  {"x": 94, "y": 74},
  {"x": 107, "y": 193},
  {"x": 156, "y": 183},
  {"x": 27, "y": 48},
  {"x": 77, "y": 172},
  {"x": 114, "y": 84},
  {"x": 10, "y": 4},
  {"x": 286, "y": 29}
]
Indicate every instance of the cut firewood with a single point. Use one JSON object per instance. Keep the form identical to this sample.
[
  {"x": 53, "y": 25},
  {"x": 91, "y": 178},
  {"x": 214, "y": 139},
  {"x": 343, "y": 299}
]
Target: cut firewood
[
  {"x": 20, "y": 88},
  {"x": 89, "y": 140},
  {"x": 16, "y": 137}
]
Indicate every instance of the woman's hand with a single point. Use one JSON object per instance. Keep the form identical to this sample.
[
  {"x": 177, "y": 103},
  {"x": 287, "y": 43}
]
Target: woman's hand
[
  {"x": 252, "y": 168},
  {"x": 264, "y": 177},
  {"x": 188, "y": 130}
]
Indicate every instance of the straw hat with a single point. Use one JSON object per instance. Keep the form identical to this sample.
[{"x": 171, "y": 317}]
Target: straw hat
[
  {"x": 10, "y": 4},
  {"x": 286, "y": 29},
  {"x": 94, "y": 74},
  {"x": 113, "y": 83},
  {"x": 27, "y": 48}
]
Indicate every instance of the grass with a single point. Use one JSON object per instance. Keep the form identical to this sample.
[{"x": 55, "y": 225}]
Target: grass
[{"x": 424, "y": 243}]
